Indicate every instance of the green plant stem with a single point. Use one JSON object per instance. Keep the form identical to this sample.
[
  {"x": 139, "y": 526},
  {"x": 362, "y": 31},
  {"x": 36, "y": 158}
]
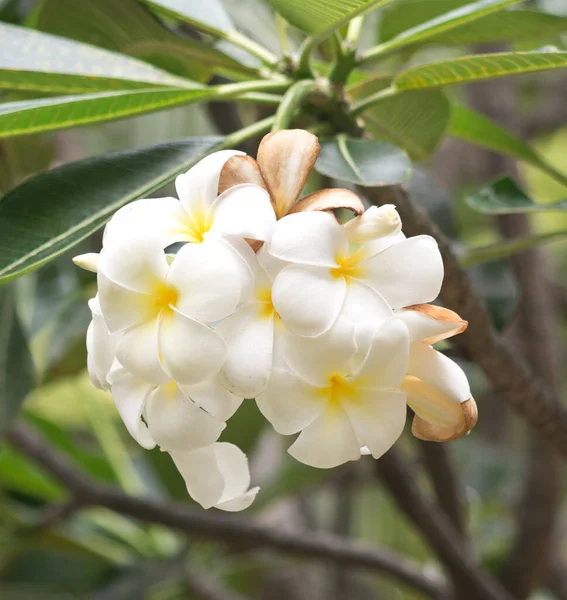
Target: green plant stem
[
  {"x": 282, "y": 30},
  {"x": 354, "y": 31},
  {"x": 506, "y": 249},
  {"x": 234, "y": 37},
  {"x": 259, "y": 98},
  {"x": 304, "y": 70},
  {"x": 365, "y": 103},
  {"x": 235, "y": 90},
  {"x": 236, "y": 138},
  {"x": 291, "y": 100}
]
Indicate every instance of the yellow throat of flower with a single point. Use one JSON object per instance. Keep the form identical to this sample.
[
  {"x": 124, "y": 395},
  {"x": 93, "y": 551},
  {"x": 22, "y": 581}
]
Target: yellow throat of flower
[
  {"x": 196, "y": 224},
  {"x": 164, "y": 298},
  {"x": 264, "y": 297},
  {"x": 349, "y": 264}
]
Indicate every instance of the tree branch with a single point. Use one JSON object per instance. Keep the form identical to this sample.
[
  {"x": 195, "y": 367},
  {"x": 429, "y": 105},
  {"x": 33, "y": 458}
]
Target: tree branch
[
  {"x": 508, "y": 373},
  {"x": 438, "y": 531},
  {"x": 237, "y": 531}
]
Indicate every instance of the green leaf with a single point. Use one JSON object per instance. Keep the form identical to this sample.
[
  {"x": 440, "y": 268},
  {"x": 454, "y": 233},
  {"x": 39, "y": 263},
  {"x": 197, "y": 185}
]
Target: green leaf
[
  {"x": 207, "y": 15},
  {"x": 476, "y": 68},
  {"x": 442, "y": 24},
  {"x": 477, "y": 129},
  {"x": 413, "y": 121},
  {"x": 504, "y": 197},
  {"x": 129, "y": 28},
  {"x": 30, "y": 60},
  {"x": 363, "y": 162},
  {"x": 53, "y": 211},
  {"x": 48, "y": 114},
  {"x": 16, "y": 366},
  {"x": 508, "y": 248},
  {"x": 321, "y": 17}
]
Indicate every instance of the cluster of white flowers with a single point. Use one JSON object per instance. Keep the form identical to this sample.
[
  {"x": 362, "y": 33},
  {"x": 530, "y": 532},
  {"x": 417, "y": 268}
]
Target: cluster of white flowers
[{"x": 269, "y": 297}]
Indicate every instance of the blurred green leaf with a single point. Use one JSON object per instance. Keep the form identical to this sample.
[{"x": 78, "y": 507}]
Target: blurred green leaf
[
  {"x": 48, "y": 114},
  {"x": 504, "y": 197},
  {"x": 479, "y": 67},
  {"x": 128, "y": 27},
  {"x": 441, "y": 24},
  {"x": 22, "y": 157},
  {"x": 321, "y": 17},
  {"x": 53, "y": 211},
  {"x": 477, "y": 129},
  {"x": 207, "y": 15},
  {"x": 16, "y": 367},
  {"x": 363, "y": 162},
  {"x": 30, "y": 60},
  {"x": 416, "y": 121}
]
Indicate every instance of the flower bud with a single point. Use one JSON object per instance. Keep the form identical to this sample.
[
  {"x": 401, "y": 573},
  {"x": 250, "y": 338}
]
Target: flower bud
[
  {"x": 376, "y": 222},
  {"x": 88, "y": 262}
]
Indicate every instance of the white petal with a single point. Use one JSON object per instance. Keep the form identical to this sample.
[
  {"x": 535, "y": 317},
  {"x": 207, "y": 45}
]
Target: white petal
[
  {"x": 270, "y": 264},
  {"x": 362, "y": 303},
  {"x": 101, "y": 347},
  {"x": 378, "y": 418},
  {"x": 406, "y": 273},
  {"x": 317, "y": 359},
  {"x": 431, "y": 323},
  {"x": 162, "y": 218},
  {"x": 88, "y": 262},
  {"x": 328, "y": 442},
  {"x": 249, "y": 336},
  {"x": 136, "y": 263},
  {"x": 121, "y": 307},
  {"x": 191, "y": 352},
  {"x": 386, "y": 363},
  {"x": 240, "y": 502},
  {"x": 212, "y": 397},
  {"x": 308, "y": 299},
  {"x": 198, "y": 188},
  {"x": 438, "y": 370},
  {"x": 138, "y": 352},
  {"x": 289, "y": 403},
  {"x": 373, "y": 247},
  {"x": 206, "y": 277},
  {"x": 244, "y": 210},
  {"x": 130, "y": 394},
  {"x": 310, "y": 238},
  {"x": 246, "y": 263},
  {"x": 175, "y": 423},
  {"x": 233, "y": 465}
]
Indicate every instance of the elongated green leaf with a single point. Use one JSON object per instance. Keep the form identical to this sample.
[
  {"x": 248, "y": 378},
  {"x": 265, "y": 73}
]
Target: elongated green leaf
[
  {"x": 30, "y": 60},
  {"x": 16, "y": 366},
  {"x": 504, "y": 197},
  {"x": 52, "y": 211},
  {"x": 321, "y": 17},
  {"x": 477, "y": 129},
  {"x": 476, "y": 256},
  {"x": 364, "y": 162},
  {"x": 414, "y": 121},
  {"x": 443, "y": 23},
  {"x": 475, "y": 68},
  {"x": 130, "y": 28},
  {"x": 32, "y": 116},
  {"x": 207, "y": 15}
]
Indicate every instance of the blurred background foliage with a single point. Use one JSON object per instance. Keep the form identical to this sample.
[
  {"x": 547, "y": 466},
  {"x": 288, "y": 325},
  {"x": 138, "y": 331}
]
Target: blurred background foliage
[{"x": 101, "y": 555}]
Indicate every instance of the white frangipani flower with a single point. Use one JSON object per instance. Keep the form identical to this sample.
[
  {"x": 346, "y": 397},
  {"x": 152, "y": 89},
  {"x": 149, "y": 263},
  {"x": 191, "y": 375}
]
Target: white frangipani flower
[
  {"x": 101, "y": 347},
  {"x": 327, "y": 274},
  {"x": 243, "y": 210},
  {"x": 252, "y": 333},
  {"x": 438, "y": 389},
  {"x": 162, "y": 311},
  {"x": 339, "y": 402},
  {"x": 217, "y": 476}
]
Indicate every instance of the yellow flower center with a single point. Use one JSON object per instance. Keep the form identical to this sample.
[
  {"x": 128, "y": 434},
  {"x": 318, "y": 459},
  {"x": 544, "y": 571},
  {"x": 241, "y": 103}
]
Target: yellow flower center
[
  {"x": 196, "y": 223},
  {"x": 264, "y": 297},
  {"x": 339, "y": 390},
  {"x": 164, "y": 297},
  {"x": 349, "y": 265}
]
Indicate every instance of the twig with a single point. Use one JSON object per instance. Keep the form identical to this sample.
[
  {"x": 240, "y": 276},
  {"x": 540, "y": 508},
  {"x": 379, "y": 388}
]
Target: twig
[
  {"x": 240, "y": 531},
  {"x": 437, "y": 530},
  {"x": 508, "y": 373}
]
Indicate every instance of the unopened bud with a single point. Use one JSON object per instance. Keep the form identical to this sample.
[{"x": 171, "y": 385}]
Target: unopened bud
[
  {"x": 88, "y": 262},
  {"x": 376, "y": 222}
]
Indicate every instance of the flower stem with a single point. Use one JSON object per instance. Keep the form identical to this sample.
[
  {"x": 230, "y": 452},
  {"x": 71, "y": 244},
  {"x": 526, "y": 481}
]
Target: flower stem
[
  {"x": 234, "y": 37},
  {"x": 367, "y": 102},
  {"x": 291, "y": 100},
  {"x": 235, "y": 90},
  {"x": 236, "y": 138}
]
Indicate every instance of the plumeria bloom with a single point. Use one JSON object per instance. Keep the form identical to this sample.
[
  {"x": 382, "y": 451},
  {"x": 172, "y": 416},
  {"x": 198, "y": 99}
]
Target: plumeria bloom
[
  {"x": 253, "y": 333},
  {"x": 438, "y": 389},
  {"x": 368, "y": 266},
  {"x": 217, "y": 475},
  {"x": 162, "y": 310},
  {"x": 339, "y": 400}
]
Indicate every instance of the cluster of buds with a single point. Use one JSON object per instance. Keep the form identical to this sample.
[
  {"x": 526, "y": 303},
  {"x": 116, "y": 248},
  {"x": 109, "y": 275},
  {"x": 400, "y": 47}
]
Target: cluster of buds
[{"x": 241, "y": 289}]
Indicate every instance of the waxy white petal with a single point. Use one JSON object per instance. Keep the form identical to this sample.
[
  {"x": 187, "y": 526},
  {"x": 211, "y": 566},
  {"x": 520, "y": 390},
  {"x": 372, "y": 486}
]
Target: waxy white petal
[
  {"x": 175, "y": 423},
  {"x": 309, "y": 238},
  {"x": 328, "y": 442},
  {"x": 191, "y": 352},
  {"x": 88, "y": 262},
  {"x": 375, "y": 222},
  {"x": 431, "y": 323},
  {"x": 101, "y": 347},
  {"x": 362, "y": 303},
  {"x": 212, "y": 397},
  {"x": 289, "y": 403},
  {"x": 121, "y": 307},
  {"x": 308, "y": 299}
]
